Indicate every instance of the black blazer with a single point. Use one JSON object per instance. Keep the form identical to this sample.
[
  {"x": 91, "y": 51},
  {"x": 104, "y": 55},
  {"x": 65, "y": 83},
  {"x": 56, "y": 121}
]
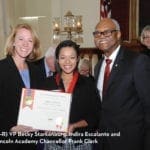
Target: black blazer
[
  {"x": 85, "y": 101},
  {"x": 126, "y": 105},
  {"x": 11, "y": 85},
  {"x": 146, "y": 52},
  {"x": 41, "y": 66}
]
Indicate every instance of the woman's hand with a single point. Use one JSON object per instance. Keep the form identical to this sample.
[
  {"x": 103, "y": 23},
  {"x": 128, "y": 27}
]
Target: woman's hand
[
  {"x": 79, "y": 124},
  {"x": 71, "y": 128},
  {"x": 22, "y": 128}
]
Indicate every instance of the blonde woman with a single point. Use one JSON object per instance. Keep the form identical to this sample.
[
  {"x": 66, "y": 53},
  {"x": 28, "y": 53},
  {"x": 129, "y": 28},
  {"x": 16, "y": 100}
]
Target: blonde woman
[{"x": 17, "y": 72}]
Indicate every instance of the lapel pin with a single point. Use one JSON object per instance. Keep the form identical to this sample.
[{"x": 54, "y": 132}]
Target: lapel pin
[{"x": 116, "y": 65}]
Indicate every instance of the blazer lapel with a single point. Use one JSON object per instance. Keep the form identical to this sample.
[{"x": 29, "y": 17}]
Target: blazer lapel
[
  {"x": 116, "y": 68},
  {"x": 43, "y": 69},
  {"x": 15, "y": 71}
]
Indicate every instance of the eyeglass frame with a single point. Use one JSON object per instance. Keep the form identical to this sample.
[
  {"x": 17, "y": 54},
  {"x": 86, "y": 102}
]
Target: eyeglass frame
[
  {"x": 106, "y": 33},
  {"x": 146, "y": 37}
]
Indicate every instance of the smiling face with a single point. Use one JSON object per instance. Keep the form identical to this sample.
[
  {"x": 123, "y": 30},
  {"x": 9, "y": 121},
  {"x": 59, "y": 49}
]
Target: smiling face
[
  {"x": 106, "y": 36},
  {"x": 146, "y": 39},
  {"x": 23, "y": 43},
  {"x": 67, "y": 60}
]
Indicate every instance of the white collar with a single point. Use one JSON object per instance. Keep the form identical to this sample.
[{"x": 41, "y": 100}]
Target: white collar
[{"x": 114, "y": 54}]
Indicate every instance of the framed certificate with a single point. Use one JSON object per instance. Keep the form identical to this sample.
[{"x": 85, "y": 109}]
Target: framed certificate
[{"x": 45, "y": 110}]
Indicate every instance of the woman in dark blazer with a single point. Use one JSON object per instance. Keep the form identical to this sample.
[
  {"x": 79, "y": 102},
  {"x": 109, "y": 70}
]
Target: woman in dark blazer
[
  {"x": 85, "y": 105},
  {"x": 17, "y": 72}
]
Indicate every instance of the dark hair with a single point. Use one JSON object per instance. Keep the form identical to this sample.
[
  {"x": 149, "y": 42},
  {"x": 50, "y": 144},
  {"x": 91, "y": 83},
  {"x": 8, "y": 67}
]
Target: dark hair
[{"x": 66, "y": 43}]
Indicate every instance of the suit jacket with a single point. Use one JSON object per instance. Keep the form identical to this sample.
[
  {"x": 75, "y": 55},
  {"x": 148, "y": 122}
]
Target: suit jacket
[
  {"x": 146, "y": 52},
  {"x": 11, "y": 85},
  {"x": 41, "y": 66},
  {"x": 126, "y": 104}
]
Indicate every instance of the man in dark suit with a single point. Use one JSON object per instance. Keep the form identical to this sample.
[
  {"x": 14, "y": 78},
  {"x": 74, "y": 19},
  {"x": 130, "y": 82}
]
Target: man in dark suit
[
  {"x": 47, "y": 63},
  {"x": 125, "y": 115}
]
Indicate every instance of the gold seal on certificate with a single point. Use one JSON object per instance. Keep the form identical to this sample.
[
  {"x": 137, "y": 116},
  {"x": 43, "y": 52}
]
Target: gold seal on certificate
[{"x": 45, "y": 110}]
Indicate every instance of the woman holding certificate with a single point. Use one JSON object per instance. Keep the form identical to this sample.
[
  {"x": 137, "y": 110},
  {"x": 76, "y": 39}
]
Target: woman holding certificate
[
  {"x": 85, "y": 105},
  {"x": 17, "y": 72}
]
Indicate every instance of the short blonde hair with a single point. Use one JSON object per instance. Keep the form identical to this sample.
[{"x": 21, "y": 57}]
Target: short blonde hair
[
  {"x": 9, "y": 46},
  {"x": 145, "y": 30},
  {"x": 84, "y": 62}
]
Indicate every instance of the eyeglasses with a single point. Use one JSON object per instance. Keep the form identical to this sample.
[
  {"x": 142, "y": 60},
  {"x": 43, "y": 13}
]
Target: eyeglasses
[
  {"x": 106, "y": 33},
  {"x": 146, "y": 37}
]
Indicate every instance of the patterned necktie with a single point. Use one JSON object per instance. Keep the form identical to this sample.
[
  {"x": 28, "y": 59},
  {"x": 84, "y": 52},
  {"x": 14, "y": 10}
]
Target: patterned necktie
[{"x": 106, "y": 75}]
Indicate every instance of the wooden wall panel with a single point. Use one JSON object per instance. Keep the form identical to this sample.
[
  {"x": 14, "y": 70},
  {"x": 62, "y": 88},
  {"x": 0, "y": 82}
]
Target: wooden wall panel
[
  {"x": 121, "y": 12},
  {"x": 144, "y": 15}
]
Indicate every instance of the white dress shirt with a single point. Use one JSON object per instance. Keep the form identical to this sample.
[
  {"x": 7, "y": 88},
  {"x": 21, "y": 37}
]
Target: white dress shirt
[{"x": 102, "y": 70}]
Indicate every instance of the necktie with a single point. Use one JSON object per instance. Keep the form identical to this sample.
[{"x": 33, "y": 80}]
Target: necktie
[{"x": 106, "y": 74}]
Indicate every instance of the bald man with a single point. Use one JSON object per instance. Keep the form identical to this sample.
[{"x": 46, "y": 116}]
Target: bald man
[{"x": 125, "y": 113}]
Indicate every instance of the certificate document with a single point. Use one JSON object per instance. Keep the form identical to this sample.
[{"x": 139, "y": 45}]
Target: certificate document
[{"x": 45, "y": 110}]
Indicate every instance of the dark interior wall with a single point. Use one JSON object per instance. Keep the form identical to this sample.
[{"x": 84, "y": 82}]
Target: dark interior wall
[
  {"x": 120, "y": 12},
  {"x": 144, "y": 14}
]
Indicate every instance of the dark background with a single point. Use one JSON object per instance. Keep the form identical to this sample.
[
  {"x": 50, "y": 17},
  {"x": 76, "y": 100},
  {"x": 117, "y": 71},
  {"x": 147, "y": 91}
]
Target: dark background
[
  {"x": 144, "y": 14},
  {"x": 121, "y": 12}
]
